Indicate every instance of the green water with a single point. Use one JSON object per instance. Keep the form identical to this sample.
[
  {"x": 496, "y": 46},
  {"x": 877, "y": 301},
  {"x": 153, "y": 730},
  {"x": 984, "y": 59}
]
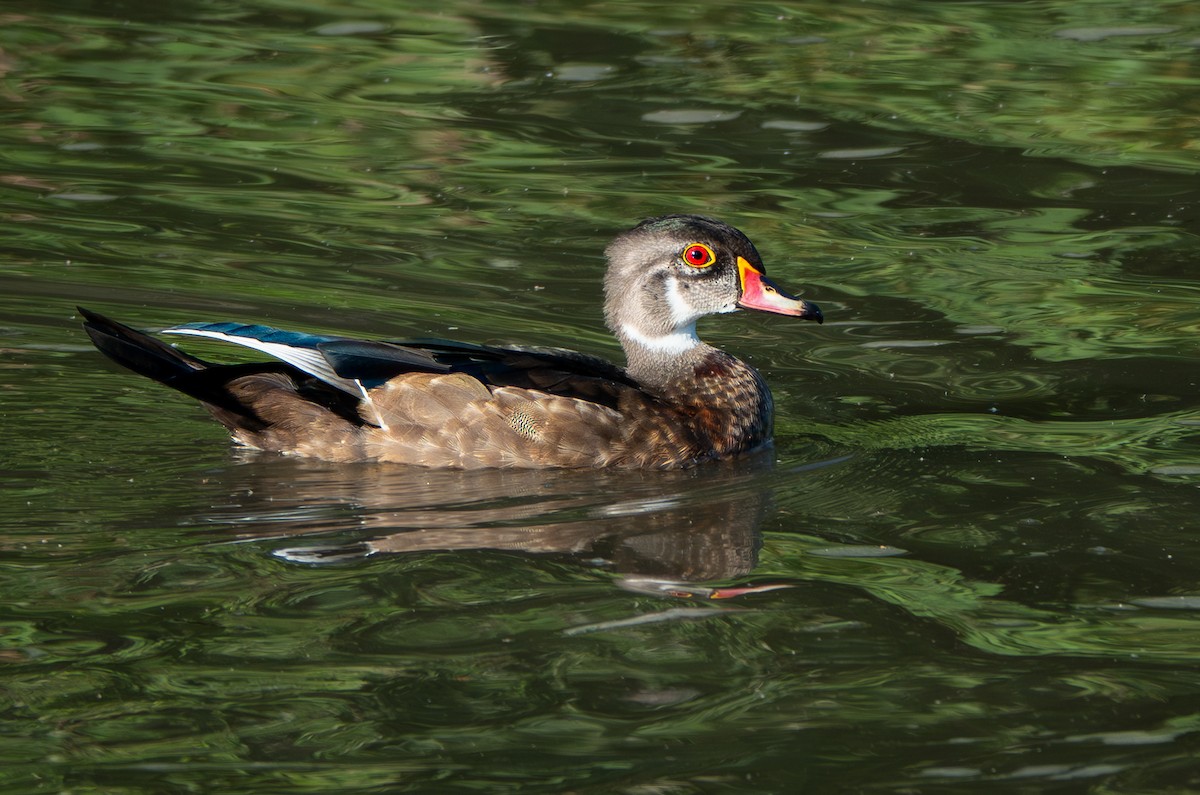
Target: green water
[{"x": 972, "y": 554}]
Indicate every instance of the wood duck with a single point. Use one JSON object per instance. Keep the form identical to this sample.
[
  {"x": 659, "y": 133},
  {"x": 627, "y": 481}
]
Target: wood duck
[{"x": 677, "y": 403}]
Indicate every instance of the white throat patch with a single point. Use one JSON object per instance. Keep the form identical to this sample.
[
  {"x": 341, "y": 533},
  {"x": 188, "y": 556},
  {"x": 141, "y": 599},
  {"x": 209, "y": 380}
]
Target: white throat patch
[
  {"x": 675, "y": 343},
  {"x": 683, "y": 319}
]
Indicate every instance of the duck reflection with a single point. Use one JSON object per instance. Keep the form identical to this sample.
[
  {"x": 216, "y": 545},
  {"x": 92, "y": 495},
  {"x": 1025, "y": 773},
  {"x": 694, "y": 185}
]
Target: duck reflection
[{"x": 662, "y": 532}]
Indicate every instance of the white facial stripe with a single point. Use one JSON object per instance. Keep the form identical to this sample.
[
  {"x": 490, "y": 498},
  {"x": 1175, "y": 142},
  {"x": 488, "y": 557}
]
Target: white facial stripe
[
  {"x": 682, "y": 313},
  {"x": 678, "y": 341}
]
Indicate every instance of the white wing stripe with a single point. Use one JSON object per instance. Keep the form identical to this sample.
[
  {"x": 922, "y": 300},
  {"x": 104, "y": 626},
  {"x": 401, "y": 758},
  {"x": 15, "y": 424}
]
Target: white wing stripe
[{"x": 307, "y": 359}]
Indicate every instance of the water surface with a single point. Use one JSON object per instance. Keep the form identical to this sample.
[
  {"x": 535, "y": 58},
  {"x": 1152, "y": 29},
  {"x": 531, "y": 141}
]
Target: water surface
[{"x": 968, "y": 565}]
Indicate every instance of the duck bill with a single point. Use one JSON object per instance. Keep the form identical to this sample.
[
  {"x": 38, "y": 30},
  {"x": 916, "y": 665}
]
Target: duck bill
[{"x": 759, "y": 292}]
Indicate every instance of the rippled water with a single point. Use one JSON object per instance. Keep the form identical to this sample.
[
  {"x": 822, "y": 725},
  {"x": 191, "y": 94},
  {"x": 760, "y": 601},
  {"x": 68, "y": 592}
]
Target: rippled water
[{"x": 969, "y": 564}]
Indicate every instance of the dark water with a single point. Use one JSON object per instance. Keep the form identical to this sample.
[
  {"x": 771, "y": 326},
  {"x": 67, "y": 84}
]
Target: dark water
[{"x": 970, "y": 564}]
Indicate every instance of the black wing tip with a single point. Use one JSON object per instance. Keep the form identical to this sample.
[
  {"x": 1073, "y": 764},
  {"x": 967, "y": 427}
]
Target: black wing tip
[{"x": 92, "y": 318}]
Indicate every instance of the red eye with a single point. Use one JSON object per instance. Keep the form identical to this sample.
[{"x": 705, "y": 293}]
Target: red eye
[{"x": 699, "y": 255}]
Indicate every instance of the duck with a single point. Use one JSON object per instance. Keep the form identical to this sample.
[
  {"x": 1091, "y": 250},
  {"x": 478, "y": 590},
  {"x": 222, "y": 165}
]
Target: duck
[{"x": 677, "y": 403}]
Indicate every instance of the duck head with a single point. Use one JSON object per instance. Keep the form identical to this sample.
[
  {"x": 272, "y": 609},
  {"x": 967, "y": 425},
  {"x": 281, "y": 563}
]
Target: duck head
[{"x": 666, "y": 273}]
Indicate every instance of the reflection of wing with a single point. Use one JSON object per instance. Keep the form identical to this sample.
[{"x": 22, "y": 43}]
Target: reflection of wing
[
  {"x": 690, "y": 543},
  {"x": 657, "y": 525}
]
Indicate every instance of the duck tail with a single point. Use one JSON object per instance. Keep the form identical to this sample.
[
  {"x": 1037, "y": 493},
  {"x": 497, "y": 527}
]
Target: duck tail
[
  {"x": 170, "y": 366},
  {"x": 137, "y": 351}
]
